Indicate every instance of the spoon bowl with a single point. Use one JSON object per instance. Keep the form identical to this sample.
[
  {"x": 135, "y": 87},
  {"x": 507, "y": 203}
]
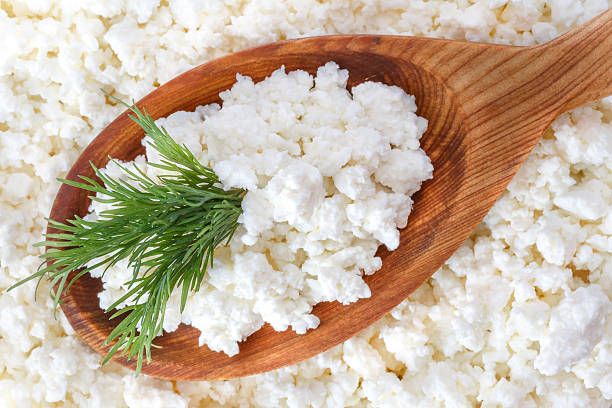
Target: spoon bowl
[{"x": 487, "y": 105}]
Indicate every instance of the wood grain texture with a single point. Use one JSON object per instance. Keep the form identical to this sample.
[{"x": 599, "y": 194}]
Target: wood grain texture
[{"x": 487, "y": 106}]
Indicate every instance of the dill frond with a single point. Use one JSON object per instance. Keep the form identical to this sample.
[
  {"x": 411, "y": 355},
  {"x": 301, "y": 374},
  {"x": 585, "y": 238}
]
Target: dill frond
[{"x": 168, "y": 230}]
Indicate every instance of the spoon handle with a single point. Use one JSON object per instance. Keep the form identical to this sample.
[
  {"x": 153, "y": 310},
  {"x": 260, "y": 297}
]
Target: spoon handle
[
  {"x": 511, "y": 94},
  {"x": 578, "y": 65}
]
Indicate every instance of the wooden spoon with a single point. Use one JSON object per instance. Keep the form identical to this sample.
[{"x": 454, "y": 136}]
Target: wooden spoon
[{"x": 487, "y": 106}]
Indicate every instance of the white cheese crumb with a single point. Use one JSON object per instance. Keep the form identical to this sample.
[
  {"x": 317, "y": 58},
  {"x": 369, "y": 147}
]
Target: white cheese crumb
[{"x": 575, "y": 327}]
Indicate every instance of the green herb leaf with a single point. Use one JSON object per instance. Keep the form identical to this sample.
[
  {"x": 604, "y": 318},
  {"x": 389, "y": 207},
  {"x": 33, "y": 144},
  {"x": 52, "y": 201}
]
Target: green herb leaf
[{"x": 167, "y": 229}]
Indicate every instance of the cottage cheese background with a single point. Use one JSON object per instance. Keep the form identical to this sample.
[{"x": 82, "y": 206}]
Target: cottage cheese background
[{"x": 520, "y": 316}]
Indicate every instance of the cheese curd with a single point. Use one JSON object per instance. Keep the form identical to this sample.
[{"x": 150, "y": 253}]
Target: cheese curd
[
  {"x": 305, "y": 235},
  {"x": 471, "y": 336}
]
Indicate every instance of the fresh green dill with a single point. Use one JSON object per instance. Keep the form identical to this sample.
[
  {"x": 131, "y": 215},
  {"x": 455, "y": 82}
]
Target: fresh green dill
[{"x": 168, "y": 230}]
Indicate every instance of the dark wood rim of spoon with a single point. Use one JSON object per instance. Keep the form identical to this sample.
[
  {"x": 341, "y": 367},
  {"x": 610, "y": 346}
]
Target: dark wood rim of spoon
[{"x": 487, "y": 106}]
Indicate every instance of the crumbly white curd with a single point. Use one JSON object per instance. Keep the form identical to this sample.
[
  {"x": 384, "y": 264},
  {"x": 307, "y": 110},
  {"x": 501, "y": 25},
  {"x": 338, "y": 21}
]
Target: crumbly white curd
[
  {"x": 519, "y": 317},
  {"x": 328, "y": 174}
]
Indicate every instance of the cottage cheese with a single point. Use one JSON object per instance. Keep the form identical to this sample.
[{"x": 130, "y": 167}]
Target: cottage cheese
[
  {"x": 329, "y": 176},
  {"x": 470, "y": 336}
]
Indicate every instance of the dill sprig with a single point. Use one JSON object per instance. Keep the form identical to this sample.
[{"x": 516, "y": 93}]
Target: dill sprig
[{"x": 168, "y": 230}]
